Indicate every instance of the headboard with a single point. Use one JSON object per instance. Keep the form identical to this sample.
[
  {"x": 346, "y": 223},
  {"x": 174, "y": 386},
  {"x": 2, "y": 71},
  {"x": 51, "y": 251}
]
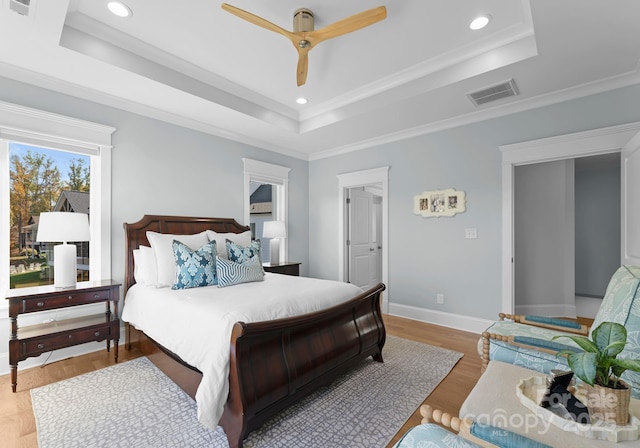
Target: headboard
[{"x": 135, "y": 234}]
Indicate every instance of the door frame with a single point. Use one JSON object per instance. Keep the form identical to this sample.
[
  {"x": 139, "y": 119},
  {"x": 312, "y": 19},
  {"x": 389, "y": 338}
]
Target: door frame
[
  {"x": 580, "y": 144},
  {"x": 363, "y": 178}
]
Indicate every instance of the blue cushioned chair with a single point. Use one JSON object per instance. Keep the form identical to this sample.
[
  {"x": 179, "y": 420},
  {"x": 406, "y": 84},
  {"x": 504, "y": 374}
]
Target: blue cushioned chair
[
  {"x": 471, "y": 434},
  {"x": 526, "y": 341}
]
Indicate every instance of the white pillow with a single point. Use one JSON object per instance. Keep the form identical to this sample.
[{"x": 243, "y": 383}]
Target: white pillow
[
  {"x": 243, "y": 239},
  {"x": 162, "y": 245},
  {"x": 145, "y": 270}
]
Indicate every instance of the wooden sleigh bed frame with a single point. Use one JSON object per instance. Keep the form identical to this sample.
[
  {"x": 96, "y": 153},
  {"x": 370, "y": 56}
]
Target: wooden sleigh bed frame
[{"x": 274, "y": 363}]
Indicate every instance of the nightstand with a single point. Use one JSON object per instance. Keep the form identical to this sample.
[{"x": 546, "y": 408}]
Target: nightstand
[
  {"x": 34, "y": 340},
  {"x": 286, "y": 267}
]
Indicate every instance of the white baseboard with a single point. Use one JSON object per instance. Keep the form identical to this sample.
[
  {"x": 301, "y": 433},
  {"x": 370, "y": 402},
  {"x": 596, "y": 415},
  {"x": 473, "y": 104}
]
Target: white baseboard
[
  {"x": 457, "y": 321},
  {"x": 587, "y": 306},
  {"x": 547, "y": 310}
]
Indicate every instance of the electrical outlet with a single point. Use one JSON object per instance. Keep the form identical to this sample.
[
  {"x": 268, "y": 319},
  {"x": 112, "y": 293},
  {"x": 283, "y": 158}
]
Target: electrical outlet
[{"x": 440, "y": 299}]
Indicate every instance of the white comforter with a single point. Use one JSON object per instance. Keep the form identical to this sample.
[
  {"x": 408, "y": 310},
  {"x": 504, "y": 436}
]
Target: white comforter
[{"x": 196, "y": 323}]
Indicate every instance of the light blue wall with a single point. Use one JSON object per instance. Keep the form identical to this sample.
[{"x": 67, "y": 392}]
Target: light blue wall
[
  {"x": 429, "y": 256},
  {"x": 156, "y": 165},
  {"x": 159, "y": 168}
]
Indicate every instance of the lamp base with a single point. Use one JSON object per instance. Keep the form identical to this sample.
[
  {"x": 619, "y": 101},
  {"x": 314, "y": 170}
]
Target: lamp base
[
  {"x": 64, "y": 266},
  {"x": 274, "y": 251}
]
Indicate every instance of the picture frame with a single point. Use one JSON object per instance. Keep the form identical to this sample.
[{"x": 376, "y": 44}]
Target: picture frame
[{"x": 436, "y": 203}]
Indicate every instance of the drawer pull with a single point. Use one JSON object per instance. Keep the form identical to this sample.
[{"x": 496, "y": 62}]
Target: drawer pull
[
  {"x": 70, "y": 297},
  {"x": 96, "y": 296},
  {"x": 70, "y": 336},
  {"x": 97, "y": 333},
  {"x": 40, "y": 303},
  {"x": 41, "y": 345}
]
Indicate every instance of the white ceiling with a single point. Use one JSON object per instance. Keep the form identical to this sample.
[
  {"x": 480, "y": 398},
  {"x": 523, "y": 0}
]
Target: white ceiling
[{"x": 193, "y": 64}]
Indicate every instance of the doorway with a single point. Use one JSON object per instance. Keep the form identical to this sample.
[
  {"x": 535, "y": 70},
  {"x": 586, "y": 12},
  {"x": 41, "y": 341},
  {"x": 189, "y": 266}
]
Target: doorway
[
  {"x": 376, "y": 182},
  {"x": 608, "y": 140},
  {"x": 566, "y": 234}
]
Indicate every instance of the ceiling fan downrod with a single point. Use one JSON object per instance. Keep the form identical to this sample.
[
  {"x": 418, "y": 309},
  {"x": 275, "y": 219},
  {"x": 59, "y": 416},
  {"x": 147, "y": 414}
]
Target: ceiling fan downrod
[{"x": 302, "y": 20}]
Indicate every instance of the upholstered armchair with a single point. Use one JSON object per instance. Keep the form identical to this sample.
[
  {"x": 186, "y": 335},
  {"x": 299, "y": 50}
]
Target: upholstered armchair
[
  {"x": 526, "y": 341},
  {"x": 437, "y": 429}
]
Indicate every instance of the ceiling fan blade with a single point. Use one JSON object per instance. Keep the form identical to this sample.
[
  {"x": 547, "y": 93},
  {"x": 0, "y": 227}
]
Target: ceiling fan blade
[
  {"x": 252, "y": 18},
  {"x": 344, "y": 26},
  {"x": 303, "y": 65}
]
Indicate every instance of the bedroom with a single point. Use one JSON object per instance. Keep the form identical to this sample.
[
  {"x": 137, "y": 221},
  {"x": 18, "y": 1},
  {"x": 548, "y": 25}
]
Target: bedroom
[{"x": 425, "y": 256}]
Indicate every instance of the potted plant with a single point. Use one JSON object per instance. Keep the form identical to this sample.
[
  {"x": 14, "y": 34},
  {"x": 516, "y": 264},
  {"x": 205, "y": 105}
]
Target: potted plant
[{"x": 597, "y": 366}]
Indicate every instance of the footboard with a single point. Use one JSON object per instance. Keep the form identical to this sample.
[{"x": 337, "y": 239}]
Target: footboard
[{"x": 276, "y": 363}]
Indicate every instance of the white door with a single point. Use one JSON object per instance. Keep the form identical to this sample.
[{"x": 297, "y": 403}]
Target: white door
[
  {"x": 362, "y": 245},
  {"x": 630, "y": 176}
]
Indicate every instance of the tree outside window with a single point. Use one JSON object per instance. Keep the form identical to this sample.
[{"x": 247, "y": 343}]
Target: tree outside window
[{"x": 43, "y": 180}]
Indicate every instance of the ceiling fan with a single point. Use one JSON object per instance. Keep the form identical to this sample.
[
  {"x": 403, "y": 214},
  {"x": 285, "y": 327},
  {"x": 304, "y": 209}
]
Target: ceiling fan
[{"x": 304, "y": 37}]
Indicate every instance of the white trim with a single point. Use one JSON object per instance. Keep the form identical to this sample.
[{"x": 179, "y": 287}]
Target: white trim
[
  {"x": 629, "y": 254},
  {"x": 268, "y": 173},
  {"x": 5, "y": 228},
  {"x": 18, "y": 121},
  {"x": 46, "y": 129},
  {"x": 360, "y": 179},
  {"x": 579, "y": 144},
  {"x": 450, "y": 320}
]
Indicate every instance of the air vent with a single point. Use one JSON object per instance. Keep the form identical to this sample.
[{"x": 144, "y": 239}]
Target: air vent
[
  {"x": 496, "y": 92},
  {"x": 20, "y": 6}
]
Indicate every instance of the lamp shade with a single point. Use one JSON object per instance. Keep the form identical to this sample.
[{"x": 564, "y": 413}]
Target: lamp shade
[
  {"x": 62, "y": 227},
  {"x": 274, "y": 229}
]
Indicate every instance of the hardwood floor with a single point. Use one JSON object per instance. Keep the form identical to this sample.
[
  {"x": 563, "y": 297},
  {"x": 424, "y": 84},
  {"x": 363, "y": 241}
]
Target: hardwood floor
[
  {"x": 17, "y": 424},
  {"x": 452, "y": 391}
]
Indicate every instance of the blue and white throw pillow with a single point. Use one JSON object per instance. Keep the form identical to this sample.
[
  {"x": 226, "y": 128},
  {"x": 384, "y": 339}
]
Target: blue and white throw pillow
[
  {"x": 242, "y": 254},
  {"x": 194, "y": 268},
  {"x": 231, "y": 273}
]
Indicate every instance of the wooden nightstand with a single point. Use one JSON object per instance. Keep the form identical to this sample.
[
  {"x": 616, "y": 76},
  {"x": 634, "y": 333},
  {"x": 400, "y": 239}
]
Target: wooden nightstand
[
  {"x": 34, "y": 340},
  {"x": 286, "y": 267}
]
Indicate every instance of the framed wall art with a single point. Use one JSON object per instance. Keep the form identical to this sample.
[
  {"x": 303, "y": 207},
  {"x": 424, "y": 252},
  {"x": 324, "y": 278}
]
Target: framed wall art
[{"x": 438, "y": 203}]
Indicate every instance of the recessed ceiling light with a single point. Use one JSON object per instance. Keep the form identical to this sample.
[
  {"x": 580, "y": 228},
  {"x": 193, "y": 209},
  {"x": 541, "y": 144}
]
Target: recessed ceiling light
[
  {"x": 480, "y": 22},
  {"x": 301, "y": 100},
  {"x": 119, "y": 9}
]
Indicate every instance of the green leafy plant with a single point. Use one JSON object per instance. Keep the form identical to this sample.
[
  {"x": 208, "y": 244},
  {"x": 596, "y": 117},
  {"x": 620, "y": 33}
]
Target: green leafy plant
[{"x": 597, "y": 362}]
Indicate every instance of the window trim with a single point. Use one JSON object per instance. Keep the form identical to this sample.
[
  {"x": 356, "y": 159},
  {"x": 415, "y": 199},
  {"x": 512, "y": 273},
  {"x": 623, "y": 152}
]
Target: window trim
[
  {"x": 268, "y": 173},
  {"x": 50, "y": 130}
]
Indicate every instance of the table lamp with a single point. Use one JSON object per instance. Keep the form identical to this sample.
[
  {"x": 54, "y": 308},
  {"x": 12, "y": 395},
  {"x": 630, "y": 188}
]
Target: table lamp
[
  {"x": 56, "y": 227},
  {"x": 274, "y": 230}
]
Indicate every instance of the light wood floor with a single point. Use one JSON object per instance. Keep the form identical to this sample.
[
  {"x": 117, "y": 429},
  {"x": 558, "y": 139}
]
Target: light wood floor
[{"x": 17, "y": 424}]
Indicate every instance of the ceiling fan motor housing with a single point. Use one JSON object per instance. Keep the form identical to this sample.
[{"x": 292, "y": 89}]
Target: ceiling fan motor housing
[{"x": 302, "y": 20}]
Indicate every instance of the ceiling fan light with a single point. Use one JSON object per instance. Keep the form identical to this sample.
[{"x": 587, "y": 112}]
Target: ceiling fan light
[
  {"x": 119, "y": 9},
  {"x": 480, "y": 22},
  {"x": 301, "y": 100}
]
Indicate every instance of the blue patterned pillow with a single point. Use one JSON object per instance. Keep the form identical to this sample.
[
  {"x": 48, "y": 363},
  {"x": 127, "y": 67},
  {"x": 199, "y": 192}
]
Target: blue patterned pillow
[
  {"x": 194, "y": 268},
  {"x": 232, "y": 273},
  {"x": 241, "y": 254}
]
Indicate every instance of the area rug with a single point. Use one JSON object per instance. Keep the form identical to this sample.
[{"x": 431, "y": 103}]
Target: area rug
[{"x": 133, "y": 404}]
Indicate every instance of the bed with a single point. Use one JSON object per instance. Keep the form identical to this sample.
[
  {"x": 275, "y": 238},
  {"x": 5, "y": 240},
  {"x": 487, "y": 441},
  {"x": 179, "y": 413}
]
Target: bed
[{"x": 271, "y": 363}]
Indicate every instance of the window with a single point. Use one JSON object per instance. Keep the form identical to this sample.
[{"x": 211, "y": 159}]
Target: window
[
  {"x": 20, "y": 126},
  {"x": 265, "y": 180},
  {"x": 43, "y": 180}
]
